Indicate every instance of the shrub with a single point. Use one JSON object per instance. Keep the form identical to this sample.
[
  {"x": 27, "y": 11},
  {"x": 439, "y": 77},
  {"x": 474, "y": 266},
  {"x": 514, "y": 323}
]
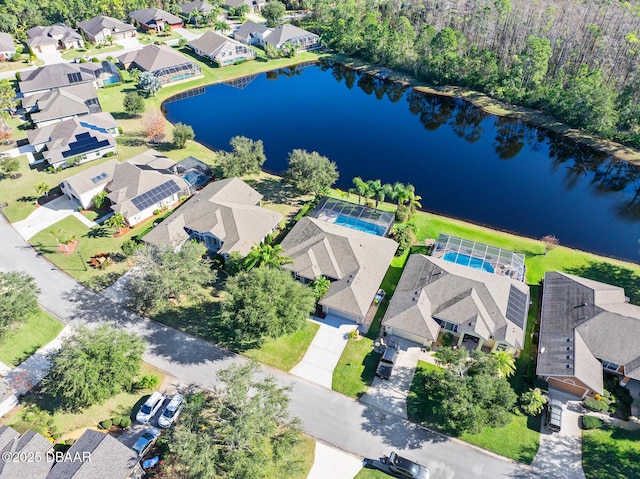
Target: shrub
[
  {"x": 148, "y": 381},
  {"x": 80, "y": 208},
  {"x": 595, "y": 405},
  {"x": 182, "y": 42},
  {"x": 95, "y": 60},
  {"x": 18, "y": 76},
  {"x": 116, "y": 421},
  {"x": 129, "y": 247},
  {"x": 120, "y": 130},
  {"x": 403, "y": 213},
  {"x": 353, "y": 334},
  {"x": 181, "y": 134},
  {"x": 591, "y": 422},
  {"x": 106, "y": 424},
  {"x": 447, "y": 339},
  {"x": 125, "y": 422},
  {"x": 16, "y": 57}
]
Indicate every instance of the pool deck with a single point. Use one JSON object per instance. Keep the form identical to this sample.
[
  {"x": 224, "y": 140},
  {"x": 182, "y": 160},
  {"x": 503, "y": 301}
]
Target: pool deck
[{"x": 498, "y": 269}]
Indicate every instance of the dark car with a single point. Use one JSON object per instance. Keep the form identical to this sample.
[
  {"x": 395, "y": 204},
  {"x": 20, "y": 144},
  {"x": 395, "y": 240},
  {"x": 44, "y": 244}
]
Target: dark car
[
  {"x": 388, "y": 360},
  {"x": 399, "y": 467},
  {"x": 553, "y": 421}
]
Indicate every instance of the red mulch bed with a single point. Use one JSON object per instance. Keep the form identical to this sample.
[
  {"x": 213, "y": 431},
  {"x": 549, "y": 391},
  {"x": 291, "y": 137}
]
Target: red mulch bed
[
  {"x": 68, "y": 248},
  {"x": 123, "y": 232}
]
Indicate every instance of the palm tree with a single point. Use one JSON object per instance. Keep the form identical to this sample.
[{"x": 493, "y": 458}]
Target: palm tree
[
  {"x": 116, "y": 221},
  {"x": 264, "y": 254},
  {"x": 220, "y": 26},
  {"x": 361, "y": 187},
  {"x": 533, "y": 401},
  {"x": 506, "y": 363},
  {"x": 413, "y": 199},
  {"x": 42, "y": 189},
  {"x": 320, "y": 286},
  {"x": 399, "y": 193},
  {"x": 375, "y": 187},
  {"x": 57, "y": 234}
]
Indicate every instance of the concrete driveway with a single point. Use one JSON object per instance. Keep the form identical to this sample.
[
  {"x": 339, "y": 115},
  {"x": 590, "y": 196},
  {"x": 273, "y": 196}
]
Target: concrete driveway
[
  {"x": 333, "y": 463},
  {"x": 325, "y": 350},
  {"x": 49, "y": 214},
  {"x": 391, "y": 394}
]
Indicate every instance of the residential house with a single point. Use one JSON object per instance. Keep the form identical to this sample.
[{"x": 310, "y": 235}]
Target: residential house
[
  {"x": 586, "y": 327},
  {"x": 136, "y": 188},
  {"x": 163, "y": 62},
  {"x": 58, "y": 75},
  {"x": 225, "y": 215},
  {"x": 253, "y": 33},
  {"x": 192, "y": 10},
  {"x": 156, "y": 20},
  {"x": 221, "y": 50},
  {"x": 354, "y": 261},
  {"x": 61, "y": 104},
  {"x": 98, "y": 29},
  {"x": 54, "y": 37},
  {"x": 7, "y": 46},
  {"x": 99, "y": 455},
  {"x": 74, "y": 141},
  {"x": 28, "y": 445},
  {"x": 254, "y": 5},
  {"x": 435, "y": 295}
]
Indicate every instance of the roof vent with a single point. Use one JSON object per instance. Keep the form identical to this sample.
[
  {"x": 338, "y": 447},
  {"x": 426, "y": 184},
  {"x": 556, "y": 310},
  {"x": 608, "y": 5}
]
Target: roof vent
[
  {"x": 569, "y": 357},
  {"x": 580, "y": 306},
  {"x": 568, "y": 366},
  {"x": 568, "y": 340},
  {"x": 568, "y": 348},
  {"x": 542, "y": 350}
]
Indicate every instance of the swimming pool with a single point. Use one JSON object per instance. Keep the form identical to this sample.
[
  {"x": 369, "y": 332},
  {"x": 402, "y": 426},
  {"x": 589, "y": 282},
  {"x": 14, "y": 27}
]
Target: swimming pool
[
  {"x": 111, "y": 80},
  {"x": 466, "y": 260},
  {"x": 195, "y": 178},
  {"x": 360, "y": 225}
]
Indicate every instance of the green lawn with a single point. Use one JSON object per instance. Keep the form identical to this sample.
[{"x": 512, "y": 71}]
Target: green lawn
[
  {"x": 371, "y": 474},
  {"x": 611, "y": 452},
  {"x": 28, "y": 337},
  {"x": 356, "y": 368},
  {"x": 519, "y": 440},
  {"x": 286, "y": 351},
  {"x": 90, "y": 52},
  {"x": 297, "y": 461}
]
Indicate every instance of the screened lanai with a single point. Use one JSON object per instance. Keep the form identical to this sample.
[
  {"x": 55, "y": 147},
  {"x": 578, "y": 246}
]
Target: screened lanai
[
  {"x": 178, "y": 72},
  {"x": 351, "y": 215},
  {"x": 480, "y": 256}
]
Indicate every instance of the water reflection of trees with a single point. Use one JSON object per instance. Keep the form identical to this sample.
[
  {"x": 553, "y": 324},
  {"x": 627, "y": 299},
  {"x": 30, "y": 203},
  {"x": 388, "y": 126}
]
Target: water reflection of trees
[
  {"x": 467, "y": 121},
  {"x": 510, "y": 137},
  {"x": 432, "y": 110}
]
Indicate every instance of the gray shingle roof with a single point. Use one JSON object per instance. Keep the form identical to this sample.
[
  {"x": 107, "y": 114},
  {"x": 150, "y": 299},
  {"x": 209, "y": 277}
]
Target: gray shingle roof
[
  {"x": 6, "y": 42},
  {"x": 149, "y": 16},
  {"x": 354, "y": 260},
  {"x": 63, "y": 102},
  {"x": 475, "y": 300},
  {"x": 593, "y": 320},
  {"x": 227, "y": 209},
  {"x": 285, "y": 33},
  {"x": 154, "y": 57},
  {"x": 247, "y": 29},
  {"x": 31, "y": 444},
  {"x": 95, "y": 25},
  {"x": 196, "y": 6},
  {"x": 210, "y": 41},
  {"x": 40, "y": 35}
]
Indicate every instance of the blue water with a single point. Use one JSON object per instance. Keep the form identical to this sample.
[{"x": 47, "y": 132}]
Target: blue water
[
  {"x": 466, "y": 260},
  {"x": 111, "y": 80},
  {"x": 463, "y": 162},
  {"x": 360, "y": 225},
  {"x": 194, "y": 178}
]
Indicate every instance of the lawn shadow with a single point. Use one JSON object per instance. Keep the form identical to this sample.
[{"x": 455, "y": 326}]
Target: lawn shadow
[
  {"x": 99, "y": 232},
  {"x": 275, "y": 191},
  {"x": 27, "y": 199},
  {"x": 132, "y": 140},
  {"x": 611, "y": 274}
]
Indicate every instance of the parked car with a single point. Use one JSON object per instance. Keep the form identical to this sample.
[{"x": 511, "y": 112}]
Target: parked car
[
  {"x": 171, "y": 412},
  {"x": 388, "y": 360},
  {"x": 150, "y": 407},
  {"x": 146, "y": 440},
  {"x": 553, "y": 421},
  {"x": 399, "y": 467}
]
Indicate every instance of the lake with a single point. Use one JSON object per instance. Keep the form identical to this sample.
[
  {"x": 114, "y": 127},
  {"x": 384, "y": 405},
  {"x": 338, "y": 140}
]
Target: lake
[{"x": 463, "y": 162}]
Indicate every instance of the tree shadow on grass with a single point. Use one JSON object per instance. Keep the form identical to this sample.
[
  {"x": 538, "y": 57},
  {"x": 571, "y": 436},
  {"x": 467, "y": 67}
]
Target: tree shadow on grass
[
  {"x": 275, "y": 191},
  {"x": 611, "y": 274},
  {"x": 131, "y": 140},
  {"x": 99, "y": 232},
  {"x": 27, "y": 199}
]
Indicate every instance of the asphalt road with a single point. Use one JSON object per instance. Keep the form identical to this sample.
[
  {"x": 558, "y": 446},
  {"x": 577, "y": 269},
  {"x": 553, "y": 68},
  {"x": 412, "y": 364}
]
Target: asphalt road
[{"x": 326, "y": 415}]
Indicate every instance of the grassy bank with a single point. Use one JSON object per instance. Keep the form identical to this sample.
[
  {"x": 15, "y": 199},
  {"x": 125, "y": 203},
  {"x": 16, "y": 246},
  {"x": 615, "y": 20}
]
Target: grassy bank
[
  {"x": 611, "y": 452},
  {"x": 24, "y": 340}
]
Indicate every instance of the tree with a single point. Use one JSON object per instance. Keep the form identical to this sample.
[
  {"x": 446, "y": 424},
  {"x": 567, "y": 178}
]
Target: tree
[
  {"x": 167, "y": 276},
  {"x": 133, "y": 103},
  {"x": 246, "y": 158},
  {"x": 18, "y": 298},
  {"x": 265, "y": 254},
  {"x": 264, "y": 303},
  {"x": 320, "y": 287},
  {"x": 93, "y": 365},
  {"x": 273, "y": 11},
  {"x": 240, "y": 430},
  {"x": 116, "y": 221},
  {"x": 181, "y": 134},
  {"x": 310, "y": 172},
  {"x": 99, "y": 199},
  {"x": 532, "y": 402},
  {"x": 149, "y": 83},
  {"x": 240, "y": 11},
  {"x": 153, "y": 124},
  {"x": 506, "y": 363},
  {"x": 109, "y": 39},
  {"x": 549, "y": 242},
  {"x": 220, "y": 26},
  {"x": 10, "y": 165},
  {"x": 6, "y": 130},
  {"x": 42, "y": 189},
  {"x": 360, "y": 186}
]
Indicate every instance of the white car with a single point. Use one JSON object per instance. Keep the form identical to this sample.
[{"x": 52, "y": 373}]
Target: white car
[
  {"x": 150, "y": 407},
  {"x": 171, "y": 412}
]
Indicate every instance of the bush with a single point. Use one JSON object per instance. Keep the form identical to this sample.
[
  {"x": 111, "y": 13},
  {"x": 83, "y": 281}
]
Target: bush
[
  {"x": 447, "y": 339},
  {"x": 148, "y": 381},
  {"x": 120, "y": 130},
  {"x": 106, "y": 424},
  {"x": 129, "y": 247},
  {"x": 116, "y": 421},
  {"x": 18, "y": 76},
  {"x": 181, "y": 134},
  {"x": 95, "y": 60},
  {"x": 353, "y": 334},
  {"x": 16, "y": 57},
  {"x": 591, "y": 422},
  {"x": 596, "y": 405},
  {"x": 109, "y": 154},
  {"x": 403, "y": 214},
  {"x": 80, "y": 208},
  {"x": 125, "y": 422}
]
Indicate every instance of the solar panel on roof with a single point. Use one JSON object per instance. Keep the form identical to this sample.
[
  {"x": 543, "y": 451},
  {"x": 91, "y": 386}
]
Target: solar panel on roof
[
  {"x": 83, "y": 146},
  {"x": 517, "y": 306},
  {"x": 100, "y": 177},
  {"x": 155, "y": 195}
]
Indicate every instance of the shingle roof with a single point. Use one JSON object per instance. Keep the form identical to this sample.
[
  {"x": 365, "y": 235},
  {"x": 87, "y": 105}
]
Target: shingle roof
[
  {"x": 6, "y": 42},
  {"x": 40, "y": 35},
  {"x": 148, "y": 16},
  {"x": 354, "y": 260},
  {"x": 475, "y": 300},
  {"x": 108, "y": 457},
  {"x": 84, "y": 182},
  {"x": 154, "y": 57},
  {"x": 228, "y": 210},
  {"x": 247, "y": 29},
  {"x": 31, "y": 444},
  {"x": 593, "y": 320},
  {"x": 58, "y": 75},
  {"x": 210, "y": 42},
  {"x": 95, "y": 25},
  {"x": 284, "y": 33},
  {"x": 196, "y": 6},
  {"x": 63, "y": 102}
]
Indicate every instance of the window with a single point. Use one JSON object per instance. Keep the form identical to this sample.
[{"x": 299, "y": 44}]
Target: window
[
  {"x": 609, "y": 366},
  {"x": 502, "y": 347},
  {"x": 447, "y": 326},
  {"x": 74, "y": 77}
]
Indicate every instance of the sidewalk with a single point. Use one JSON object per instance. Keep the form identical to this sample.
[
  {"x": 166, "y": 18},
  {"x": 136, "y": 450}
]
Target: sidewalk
[{"x": 333, "y": 463}]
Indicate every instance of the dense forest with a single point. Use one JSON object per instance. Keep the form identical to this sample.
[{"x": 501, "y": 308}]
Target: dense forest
[{"x": 575, "y": 59}]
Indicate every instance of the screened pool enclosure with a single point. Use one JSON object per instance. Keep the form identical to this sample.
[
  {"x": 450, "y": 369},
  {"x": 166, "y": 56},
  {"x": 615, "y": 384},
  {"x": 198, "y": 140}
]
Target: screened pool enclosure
[{"x": 357, "y": 217}]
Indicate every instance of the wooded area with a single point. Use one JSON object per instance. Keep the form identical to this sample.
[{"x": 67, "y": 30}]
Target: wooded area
[{"x": 574, "y": 59}]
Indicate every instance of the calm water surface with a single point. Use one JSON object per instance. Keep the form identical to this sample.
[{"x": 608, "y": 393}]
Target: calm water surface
[{"x": 463, "y": 162}]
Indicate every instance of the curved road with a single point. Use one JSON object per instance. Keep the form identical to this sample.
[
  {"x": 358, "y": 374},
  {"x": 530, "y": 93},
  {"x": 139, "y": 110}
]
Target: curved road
[{"x": 326, "y": 415}]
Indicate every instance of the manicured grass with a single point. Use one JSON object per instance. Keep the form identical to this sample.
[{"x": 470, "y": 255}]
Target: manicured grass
[
  {"x": 296, "y": 462},
  {"x": 353, "y": 375},
  {"x": 90, "y": 52},
  {"x": 28, "y": 337},
  {"x": 286, "y": 351},
  {"x": 147, "y": 38},
  {"x": 371, "y": 474},
  {"x": 611, "y": 452},
  {"x": 123, "y": 404},
  {"x": 518, "y": 440},
  {"x": 91, "y": 242}
]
